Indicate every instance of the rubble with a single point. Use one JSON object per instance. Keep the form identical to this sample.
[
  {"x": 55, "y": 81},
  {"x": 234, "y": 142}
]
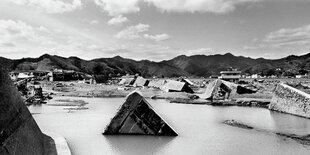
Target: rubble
[
  {"x": 137, "y": 117},
  {"x": 237, "y": 124}
]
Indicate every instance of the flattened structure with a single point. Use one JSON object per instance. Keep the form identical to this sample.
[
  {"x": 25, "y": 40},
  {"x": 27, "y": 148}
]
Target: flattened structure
[{"x": 137, "y": 117}]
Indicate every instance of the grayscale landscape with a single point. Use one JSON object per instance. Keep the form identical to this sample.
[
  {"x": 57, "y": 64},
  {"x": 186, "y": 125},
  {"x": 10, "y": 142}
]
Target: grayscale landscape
[{"x": 138, "y": 77}]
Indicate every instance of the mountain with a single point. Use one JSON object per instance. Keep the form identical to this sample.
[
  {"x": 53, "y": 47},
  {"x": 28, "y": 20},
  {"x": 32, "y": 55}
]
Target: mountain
[
  {"x": 100, "y": 66},
  {"x": 195, "y": 66}
]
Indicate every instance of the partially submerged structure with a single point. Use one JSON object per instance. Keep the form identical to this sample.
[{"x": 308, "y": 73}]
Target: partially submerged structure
[
  {"x": 290, "y": 100},
  {"x": 176, "y": 86},
  {"x": 19, "y": 133},
  {"x": 137, "y": 117},
  {"x": 222, "y": 90}
]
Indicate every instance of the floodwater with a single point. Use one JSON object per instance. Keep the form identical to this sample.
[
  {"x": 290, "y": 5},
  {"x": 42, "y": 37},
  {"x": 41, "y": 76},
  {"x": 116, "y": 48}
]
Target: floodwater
[{"x": 200, "y": 130}]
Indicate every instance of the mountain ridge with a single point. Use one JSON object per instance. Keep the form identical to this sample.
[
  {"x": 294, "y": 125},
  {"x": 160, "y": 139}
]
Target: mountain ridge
[{"x": 182, "y": 65}]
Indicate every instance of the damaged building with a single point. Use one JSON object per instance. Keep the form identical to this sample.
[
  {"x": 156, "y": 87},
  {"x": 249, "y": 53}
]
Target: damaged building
[
  {"x": 137, "y": 117},
  {"x": 156, "y": 83},
  {"x": 222, "y": 90},
  {"x": 65, "y": 75},
  {"x": 176, "y": 86},
  {"x": 140, "y": 81}
]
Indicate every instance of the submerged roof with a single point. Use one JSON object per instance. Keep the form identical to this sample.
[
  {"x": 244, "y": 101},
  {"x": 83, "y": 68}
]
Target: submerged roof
[
  {"x": 174, "y": 85},
  {"x": 137, "y": 117}
]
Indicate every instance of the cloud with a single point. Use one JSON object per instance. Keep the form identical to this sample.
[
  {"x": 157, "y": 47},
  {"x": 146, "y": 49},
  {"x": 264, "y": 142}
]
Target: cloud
[
  {"x": 11, "y": 30},
  {"x": 153, "y": 52},
  {"x": 19, "y": 39},
  {"x": 118, "y": 7},
  {"x": 51, "y": 6},
  {"x": 199, "y": 51},
  {"x": 117, "y": 20},
  {"x": 285, "y": 39},
  {"x": 7, "y": 44},
  {"x": 132, "y": 32},
  {"x": 214, "y": 6},
  {"x": 93, "y": 22},
  {"x": 158, "y": 37}
]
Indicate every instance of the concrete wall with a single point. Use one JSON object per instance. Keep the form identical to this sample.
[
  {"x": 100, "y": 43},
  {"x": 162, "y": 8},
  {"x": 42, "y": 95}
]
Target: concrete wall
[
  {"x": 19, "y": 133},
  {"x": 290, "y": 100}
]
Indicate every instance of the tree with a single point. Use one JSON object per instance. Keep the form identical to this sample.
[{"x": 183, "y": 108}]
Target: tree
[{"x": 303, "y": 72}]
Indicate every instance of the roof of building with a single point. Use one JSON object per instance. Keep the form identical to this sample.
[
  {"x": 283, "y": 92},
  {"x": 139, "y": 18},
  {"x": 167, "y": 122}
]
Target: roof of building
[
  {"x": 174, "y": 85},
  {"x": 140, "y": 81}
]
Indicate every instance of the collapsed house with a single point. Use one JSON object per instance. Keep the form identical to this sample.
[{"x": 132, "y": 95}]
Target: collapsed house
[
  {"x": 176, "y": 86},
  {"x": 222, "y": 90},
  {"x": 127, "y": 81},
  {"x": 187, "y": 81},
  {"x": 19, "y": 133},
  {"x": 156, "y": 83},
  {"x": 137, "y": 117},
  {"x": 140, "y": 81}
]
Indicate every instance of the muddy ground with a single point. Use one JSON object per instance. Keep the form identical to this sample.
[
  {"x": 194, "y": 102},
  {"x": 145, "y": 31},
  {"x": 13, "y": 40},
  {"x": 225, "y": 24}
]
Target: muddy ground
[{"x": 263, "y": 95}]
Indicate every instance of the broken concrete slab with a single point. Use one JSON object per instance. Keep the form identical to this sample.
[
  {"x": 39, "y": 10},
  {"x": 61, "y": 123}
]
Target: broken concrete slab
[
  {"x": 218, "y": 90},
  {"x": 137, "y": 117},
  {"x": 222, "y": 90},
  {"x": 19, "y": 133},
  {"x": 290, "y": 100}
]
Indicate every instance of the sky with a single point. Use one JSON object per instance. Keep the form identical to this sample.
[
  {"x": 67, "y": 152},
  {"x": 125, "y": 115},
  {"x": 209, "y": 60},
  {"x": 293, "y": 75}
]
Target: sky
[{"x": 154, "y": 29}]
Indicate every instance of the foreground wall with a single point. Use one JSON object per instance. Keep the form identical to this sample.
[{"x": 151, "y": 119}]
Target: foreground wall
[
  {"x": 19, "y": 133},
  {"x": 290, "y": 100}
]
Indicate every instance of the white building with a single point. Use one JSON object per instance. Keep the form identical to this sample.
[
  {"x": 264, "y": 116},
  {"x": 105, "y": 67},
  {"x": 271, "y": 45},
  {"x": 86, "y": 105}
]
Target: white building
[{"x": 233, "y": 75}]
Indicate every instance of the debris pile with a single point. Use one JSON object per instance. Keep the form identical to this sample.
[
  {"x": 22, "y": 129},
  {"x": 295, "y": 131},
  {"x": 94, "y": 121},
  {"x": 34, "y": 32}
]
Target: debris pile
[{"x": 31, "y": 92}]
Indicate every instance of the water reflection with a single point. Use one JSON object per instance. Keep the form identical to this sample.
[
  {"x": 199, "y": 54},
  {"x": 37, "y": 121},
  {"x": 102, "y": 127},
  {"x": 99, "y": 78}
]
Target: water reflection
[
  {"x": 286, "y": 123},
  {"x": 200, "y": 129},
  {"x": 138, "y": 144}
]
